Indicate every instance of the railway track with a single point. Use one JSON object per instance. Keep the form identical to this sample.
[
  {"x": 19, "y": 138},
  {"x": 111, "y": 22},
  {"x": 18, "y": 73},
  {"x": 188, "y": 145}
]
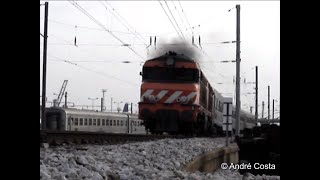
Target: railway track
[{"x": 54, "y": 138}]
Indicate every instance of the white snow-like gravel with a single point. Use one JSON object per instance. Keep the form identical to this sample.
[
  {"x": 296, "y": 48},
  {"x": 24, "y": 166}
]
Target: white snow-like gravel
[{"x": 162, "y": 159}]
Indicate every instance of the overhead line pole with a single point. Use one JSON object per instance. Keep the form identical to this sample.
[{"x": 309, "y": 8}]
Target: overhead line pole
[
  {"x": 256, "y": 109},
  {"x": 238, "y": 106},
  {"x": 44, "y": 69}
]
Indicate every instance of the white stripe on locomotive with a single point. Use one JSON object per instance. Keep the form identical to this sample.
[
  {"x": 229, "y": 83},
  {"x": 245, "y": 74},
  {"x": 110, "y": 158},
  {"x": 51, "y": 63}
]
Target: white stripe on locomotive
[
  {"x": 147, "y": 93},
  {"x": 173, "y": 97},
  {"x": 161, "y": 94}
]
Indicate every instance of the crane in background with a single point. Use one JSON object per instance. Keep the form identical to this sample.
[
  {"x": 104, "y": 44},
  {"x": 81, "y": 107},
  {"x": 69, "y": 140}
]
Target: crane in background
[{"x": 62, "y": 91}]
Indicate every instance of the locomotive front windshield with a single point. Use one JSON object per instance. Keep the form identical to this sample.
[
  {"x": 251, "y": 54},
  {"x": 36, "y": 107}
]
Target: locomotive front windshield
[{"x": 165, "y": 74}]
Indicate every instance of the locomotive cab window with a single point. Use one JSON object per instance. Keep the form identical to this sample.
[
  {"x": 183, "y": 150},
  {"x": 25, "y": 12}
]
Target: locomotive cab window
[{"x": 170, "y": 74}]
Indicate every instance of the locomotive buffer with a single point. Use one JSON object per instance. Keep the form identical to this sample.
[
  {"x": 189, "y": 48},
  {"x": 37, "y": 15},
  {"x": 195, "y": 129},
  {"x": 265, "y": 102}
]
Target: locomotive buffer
[{"x": 227, "y": 120}]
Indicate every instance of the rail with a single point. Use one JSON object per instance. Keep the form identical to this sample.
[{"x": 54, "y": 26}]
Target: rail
[{"x": 55, "y": 138}]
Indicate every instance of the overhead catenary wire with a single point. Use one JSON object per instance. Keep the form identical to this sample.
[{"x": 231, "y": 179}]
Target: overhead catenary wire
[
  {"x": 58, "y": 38},
  {"x": 69, "y": 44},
  {"x": 130, "y": 33},
  {"x": 185, "y": 16},
  {"x": 170, "y": 21},
  {"x": 97, "y": 72},
  {"x": 102, "y": 26},
  {"x": 128, "y": 26},
  {"x": 175, "y": 20},
  {"x": 135, "y": 32},
  {"x": 224, "y": 77},
  {"x": 86, "y": 27},
  {"x": 179, "y": 16}
]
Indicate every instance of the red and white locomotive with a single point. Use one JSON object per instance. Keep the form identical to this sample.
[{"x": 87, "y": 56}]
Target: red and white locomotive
[{"x": 176, "y": 97}]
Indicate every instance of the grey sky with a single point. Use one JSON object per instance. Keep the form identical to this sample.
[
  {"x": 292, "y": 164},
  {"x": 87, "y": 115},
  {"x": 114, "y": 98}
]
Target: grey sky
[{"x": 99, "y": 54}]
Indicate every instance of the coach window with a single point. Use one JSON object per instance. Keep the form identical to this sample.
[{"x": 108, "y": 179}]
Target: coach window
[
  {"x": 90, "y": 122},
  {"x": 103, "y": 122},
  {"x": 121, "y": 123},
  {"x": 107, "y": 123},
  {"x": 118, "y": 124},
  {"x": 114, "y": 123},
  {"x": 94, "y": 122},
  {"x": 98, "y": 123},
  {"x": 86, "y": 122},
  {"x": 110, "y": 122},
  {"x": 76, "y": 122},
  {"x": 81, "y": 122}
]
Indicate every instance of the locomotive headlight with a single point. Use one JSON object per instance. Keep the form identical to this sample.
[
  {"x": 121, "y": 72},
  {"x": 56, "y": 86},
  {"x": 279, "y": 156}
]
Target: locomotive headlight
[
  {"x": 152, "y": 98},
  {"x": 170, "y": 62},
  {"x": 183, "y": 99}
]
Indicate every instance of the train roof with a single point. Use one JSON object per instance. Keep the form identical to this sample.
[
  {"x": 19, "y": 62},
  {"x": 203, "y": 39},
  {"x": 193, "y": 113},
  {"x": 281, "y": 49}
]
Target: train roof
[
  {"x": 175, "y": 56},
  {"x": 217, "y": 94},
  {"x": 242, "y": 112},
  {"x": 247, "y": 113},
  {"x": 90, "y": 112}
]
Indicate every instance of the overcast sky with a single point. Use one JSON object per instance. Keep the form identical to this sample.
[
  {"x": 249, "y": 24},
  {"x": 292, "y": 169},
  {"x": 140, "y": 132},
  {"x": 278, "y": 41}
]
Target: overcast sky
[{"x": 96, "y": 62}]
